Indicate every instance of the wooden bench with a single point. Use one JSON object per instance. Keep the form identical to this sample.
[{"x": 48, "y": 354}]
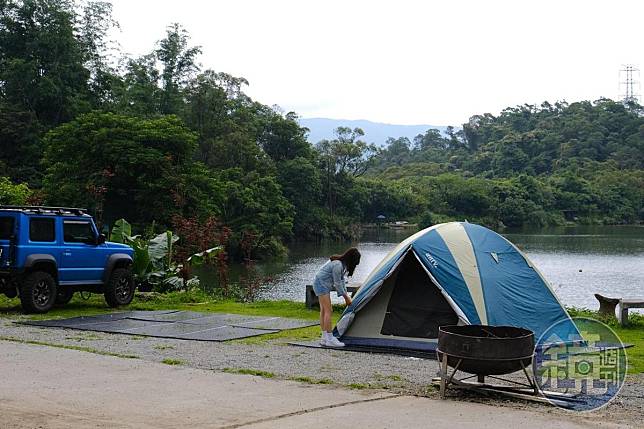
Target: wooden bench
[
  {"x": 312, "y": 301},
  {"x": 624, "y": 305}
]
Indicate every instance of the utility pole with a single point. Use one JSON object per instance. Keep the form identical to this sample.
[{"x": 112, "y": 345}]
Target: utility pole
[{"x": 629, "y": 83}]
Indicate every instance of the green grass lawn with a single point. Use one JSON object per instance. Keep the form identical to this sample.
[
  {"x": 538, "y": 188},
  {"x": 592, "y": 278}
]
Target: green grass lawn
[
  {"x": 632, "y": 334},
  {"x": 198, "y": 301},
  {"x": 191, "y": 301}
]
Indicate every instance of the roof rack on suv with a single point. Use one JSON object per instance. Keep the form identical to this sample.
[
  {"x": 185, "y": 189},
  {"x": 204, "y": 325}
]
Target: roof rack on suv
[{"x": 47, "y": 209}]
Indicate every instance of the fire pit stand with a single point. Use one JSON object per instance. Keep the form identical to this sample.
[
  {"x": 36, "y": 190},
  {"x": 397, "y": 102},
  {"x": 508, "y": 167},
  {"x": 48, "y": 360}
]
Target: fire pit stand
[{"x": 489, "y": 351}]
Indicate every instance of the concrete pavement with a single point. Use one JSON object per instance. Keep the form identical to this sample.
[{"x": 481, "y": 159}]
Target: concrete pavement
[{"x": 48, "y": 387}]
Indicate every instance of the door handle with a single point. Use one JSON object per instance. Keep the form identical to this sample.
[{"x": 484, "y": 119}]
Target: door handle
[{"x": 67, "y": 252}]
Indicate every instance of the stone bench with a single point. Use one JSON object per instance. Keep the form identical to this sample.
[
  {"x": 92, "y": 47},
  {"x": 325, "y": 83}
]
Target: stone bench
[
  {"x": 624, "y": 305},
  {"x": 607, "y": 307},
  {"x": 311, "y": 299}
]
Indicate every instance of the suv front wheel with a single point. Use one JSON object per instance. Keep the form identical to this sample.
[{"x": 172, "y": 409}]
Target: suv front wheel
[
  {"x": 119, "y": 289},
  {"x": 38, "y": 292}
]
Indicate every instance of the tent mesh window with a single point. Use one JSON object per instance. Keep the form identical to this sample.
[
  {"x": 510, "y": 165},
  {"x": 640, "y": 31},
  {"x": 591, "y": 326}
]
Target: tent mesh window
[{"x": 416, "y": 307}]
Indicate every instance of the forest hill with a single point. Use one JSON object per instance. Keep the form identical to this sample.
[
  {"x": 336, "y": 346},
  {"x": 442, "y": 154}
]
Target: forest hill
[{"x": 160, "y": 141}]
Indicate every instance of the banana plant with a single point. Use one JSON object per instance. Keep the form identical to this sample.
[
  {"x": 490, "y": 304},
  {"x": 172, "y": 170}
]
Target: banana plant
[
  {"x": 198, "y": 259},
  {"x": 153, "y": 262},
  {"x": 121, "y": 231}
]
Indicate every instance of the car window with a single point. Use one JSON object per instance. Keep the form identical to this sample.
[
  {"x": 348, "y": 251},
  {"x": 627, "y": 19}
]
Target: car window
[
  {"x": 6, "y": 227},
  {"x": 78, "y": 231},
  {"x": 42, "y": 229}
]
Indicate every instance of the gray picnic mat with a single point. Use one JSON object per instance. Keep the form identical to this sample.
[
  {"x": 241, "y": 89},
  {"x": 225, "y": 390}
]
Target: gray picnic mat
[{"x": 184, "y": 325}]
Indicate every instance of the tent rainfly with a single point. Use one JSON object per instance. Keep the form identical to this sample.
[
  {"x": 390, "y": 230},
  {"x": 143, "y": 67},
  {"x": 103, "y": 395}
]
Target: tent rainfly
[{"x": 452, "y": 273}]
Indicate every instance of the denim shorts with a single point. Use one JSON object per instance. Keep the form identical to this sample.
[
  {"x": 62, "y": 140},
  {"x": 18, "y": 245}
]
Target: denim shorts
[{"x": 321, "y": 289}]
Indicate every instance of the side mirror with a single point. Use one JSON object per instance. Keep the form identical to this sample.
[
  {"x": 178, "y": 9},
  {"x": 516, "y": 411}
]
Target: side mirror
[{"x": 101, "y": 239}]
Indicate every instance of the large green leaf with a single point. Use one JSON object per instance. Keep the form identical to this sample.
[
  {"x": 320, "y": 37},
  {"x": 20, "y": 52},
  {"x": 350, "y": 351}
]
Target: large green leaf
[
  {"x": 141, "y": 257},
  {"x": 173, "y": 282},
  {"x": 160, "y": 249},
  {"x": 200, "y": 258},
  {"x": 121, "y": 232}
]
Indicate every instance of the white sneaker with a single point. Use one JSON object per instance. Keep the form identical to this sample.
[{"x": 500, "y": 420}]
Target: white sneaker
[
  {"x": 323, "y": 340},
  {"x": 332, "y": 341}
]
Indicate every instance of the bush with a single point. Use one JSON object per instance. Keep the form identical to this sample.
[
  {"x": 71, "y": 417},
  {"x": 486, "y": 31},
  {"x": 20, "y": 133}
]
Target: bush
[{"x": 11, "y": 194}]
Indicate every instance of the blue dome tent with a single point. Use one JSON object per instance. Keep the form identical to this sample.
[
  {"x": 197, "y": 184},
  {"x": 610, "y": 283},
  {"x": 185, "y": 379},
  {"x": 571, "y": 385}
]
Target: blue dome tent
[{"x": 452, "y": 273}]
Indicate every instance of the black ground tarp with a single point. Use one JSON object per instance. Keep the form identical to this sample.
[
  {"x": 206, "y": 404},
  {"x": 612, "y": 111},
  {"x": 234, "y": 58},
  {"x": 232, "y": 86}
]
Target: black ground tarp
[
  {"x": 183, "y": 325},
  {"x": 368, "y": 349}
]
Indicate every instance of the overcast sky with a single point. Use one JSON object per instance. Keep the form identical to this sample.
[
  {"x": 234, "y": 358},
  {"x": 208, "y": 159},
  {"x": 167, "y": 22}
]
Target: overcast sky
[{"x": 403, "y": 62}]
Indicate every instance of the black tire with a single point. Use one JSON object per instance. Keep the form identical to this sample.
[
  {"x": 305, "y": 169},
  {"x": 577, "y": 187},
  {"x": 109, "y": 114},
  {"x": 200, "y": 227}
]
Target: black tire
[
  {"x": 64, "y": 295},
  {"x": 38, "y": 292},
  {"x": 120, "y": 288}
]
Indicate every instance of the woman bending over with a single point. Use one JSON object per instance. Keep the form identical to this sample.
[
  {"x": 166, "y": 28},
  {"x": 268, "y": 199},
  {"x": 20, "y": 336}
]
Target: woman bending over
[{"x": 332, "y": 276}]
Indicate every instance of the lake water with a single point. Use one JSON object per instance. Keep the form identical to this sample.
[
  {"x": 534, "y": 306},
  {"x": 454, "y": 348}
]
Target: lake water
[{"x": 578, "y": 261}]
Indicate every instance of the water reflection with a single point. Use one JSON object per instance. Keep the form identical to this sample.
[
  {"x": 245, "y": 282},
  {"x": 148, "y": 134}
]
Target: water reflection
[{"x": 596, "y": 240}]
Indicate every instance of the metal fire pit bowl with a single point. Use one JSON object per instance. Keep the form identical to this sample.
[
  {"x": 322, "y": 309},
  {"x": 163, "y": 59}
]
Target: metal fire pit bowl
[{"x": 486, "y": 350}]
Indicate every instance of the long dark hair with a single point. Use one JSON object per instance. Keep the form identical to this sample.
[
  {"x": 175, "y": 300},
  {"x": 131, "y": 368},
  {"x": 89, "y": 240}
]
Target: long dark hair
[{"x": 350, "y": 259}]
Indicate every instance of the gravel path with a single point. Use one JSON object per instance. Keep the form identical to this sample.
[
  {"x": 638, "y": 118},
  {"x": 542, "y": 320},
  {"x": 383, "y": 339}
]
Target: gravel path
[{"x": 274, "y": 358}]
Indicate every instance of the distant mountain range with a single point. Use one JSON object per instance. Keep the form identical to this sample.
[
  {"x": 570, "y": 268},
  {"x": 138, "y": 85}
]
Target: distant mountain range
[{"x": 375, "y": 132}]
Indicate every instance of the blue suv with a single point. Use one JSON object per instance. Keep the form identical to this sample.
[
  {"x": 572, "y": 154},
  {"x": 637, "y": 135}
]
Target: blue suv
[{"x": 48, "y": 253}]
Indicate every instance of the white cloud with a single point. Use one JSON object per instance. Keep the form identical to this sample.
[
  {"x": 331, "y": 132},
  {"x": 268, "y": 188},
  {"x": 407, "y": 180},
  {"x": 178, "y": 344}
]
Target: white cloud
[{"x": 401, "y": 61}]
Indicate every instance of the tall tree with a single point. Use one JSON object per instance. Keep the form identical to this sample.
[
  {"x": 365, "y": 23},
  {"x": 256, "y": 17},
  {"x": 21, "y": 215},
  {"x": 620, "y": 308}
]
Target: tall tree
[
  {"x": 347, "y": 153},
  {"x": 93, "y": 25},
  {"x": 42, "y": 66},
  {"x": 217, "y": 108},
  {"x": 138, "y": 93},
  {"x": 346, "y": 156},
  {"x": 134, "y": 168},
  {"x": 282, "y": 137},
  {"x": 155, "y": 83},
  {"x": 396, "y": 151},
  {"x": 302, "y": 186},
  {"x": 178, "y": 64},
  {"x": 20, "y": 149},
  {"x": 432, "y": 139}
]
